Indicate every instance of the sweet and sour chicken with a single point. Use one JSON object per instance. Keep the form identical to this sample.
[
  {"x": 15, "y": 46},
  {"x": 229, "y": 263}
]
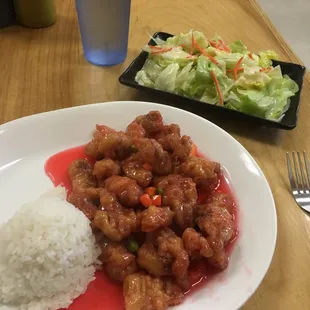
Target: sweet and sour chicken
[{"x": 140, "y": 191}]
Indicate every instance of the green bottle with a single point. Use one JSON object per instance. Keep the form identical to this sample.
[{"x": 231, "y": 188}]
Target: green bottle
[{"x": 35, "y": 13}]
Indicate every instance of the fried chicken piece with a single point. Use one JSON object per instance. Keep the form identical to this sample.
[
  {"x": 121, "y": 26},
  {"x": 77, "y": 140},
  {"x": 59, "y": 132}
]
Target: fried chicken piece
[
  {"x": 180, "y": 195},
  {"x": 115, "y": 145},
  {"x": 113, "y": 219},
  {"x": 174, "y": 292},
  {"x": 136, "y": 130},
  {"x": 105, "y": 168},
  {"x": 170, "y": 139},
  {"x": 219, "y": 200},
  {"x": 155, "y": 217},
  {"x": 142, "y": 292},
  {"x": 108, "y": 143},
  {"x": 170, "y": 244},
  {"x": 165, "y": 256},
  {"x": 204, "y": 173},
  {"x": 83, "y": 182},
  {"x": 133, "y": 169},
  {"x": 109, "y": 201},
  {"x": 152, "y": 122},
  {"x": 117, "y": 261},
  {"x": 91, "y": 149},
  {"x": 117, "y": 225},
  {"x": 181, "y": 147},
  {"x": 217, "y": 225},
  {"x": 219, "y": 259},
  {"x": 172, "y": 129},
  {"x": 83, "y": 204},
  {"x": 127, "y": 190},
  {"x": 151, "y": 152},
  {"x": 149, "y": 259},
  {"x": 195, "y": 244}
]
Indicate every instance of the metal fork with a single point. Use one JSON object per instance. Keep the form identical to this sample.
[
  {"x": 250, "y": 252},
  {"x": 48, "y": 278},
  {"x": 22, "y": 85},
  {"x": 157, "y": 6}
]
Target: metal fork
[{"x": 299, "y": 176}]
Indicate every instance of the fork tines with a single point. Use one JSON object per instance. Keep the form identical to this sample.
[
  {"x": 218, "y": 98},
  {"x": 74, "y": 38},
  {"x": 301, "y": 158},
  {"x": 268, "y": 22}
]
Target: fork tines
[{"x": 298, "y": 173}]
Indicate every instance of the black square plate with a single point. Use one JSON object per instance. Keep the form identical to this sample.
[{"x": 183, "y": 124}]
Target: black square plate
[{"x": 294, "y": 71}]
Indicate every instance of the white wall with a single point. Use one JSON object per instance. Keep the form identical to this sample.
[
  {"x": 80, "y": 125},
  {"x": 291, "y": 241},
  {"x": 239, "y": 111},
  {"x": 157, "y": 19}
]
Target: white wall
[{"x": 292, "y": 19}]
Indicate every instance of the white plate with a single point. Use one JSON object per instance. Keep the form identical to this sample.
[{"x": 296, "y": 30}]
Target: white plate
[{"x": 27, "y": 143}]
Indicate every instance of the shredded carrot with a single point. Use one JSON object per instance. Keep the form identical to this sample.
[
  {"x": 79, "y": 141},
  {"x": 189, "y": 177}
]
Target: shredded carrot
[
  {"x": 155, "y": 47},
  {"x": 211, "y": 58},
  {"x": 191, "y": 57},
  {"x": 237, "y": 68},
  {"x": 216, "y": 45},
  {"x": 193, "y": 44},
  {"x": 251, "y": 56},
  {"x": 217, "y": 86},
  {"x": 225, "y": 47},
  {"x": 220, "y": 46},
  {"x": 232, "y": 70},
  {"x": 163, "y": 50},
  {"x": 266, "y": 70},
  {"x": 213, "y": 44},
  {"x": 203, "y": 52}
]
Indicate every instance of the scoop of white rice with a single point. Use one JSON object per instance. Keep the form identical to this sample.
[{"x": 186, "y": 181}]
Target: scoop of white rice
[{"x": 48, "y": 254}]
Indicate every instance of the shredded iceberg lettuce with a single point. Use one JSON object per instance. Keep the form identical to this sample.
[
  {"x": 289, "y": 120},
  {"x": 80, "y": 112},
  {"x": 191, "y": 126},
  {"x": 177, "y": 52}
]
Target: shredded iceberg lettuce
[{"x": 217, "y": 73}]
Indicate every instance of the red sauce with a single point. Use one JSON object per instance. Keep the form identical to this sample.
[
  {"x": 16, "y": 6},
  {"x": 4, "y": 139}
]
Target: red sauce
[
  {"x": 56, "y": 167},
  {"x": 102, "y": 293}
]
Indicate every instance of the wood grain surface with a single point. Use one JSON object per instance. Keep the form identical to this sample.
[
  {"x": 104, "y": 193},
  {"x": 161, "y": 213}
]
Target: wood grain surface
[{"x": 44, "y": 70}]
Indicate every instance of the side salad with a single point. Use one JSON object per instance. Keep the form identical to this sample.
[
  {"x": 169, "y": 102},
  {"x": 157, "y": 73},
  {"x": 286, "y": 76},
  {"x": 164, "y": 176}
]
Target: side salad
[{"x": 217, "y": 73}]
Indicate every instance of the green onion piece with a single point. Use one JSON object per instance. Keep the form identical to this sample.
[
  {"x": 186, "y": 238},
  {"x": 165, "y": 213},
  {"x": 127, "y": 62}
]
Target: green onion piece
[
  {"x": 132, "y": 246},
  {"x": 159, "y": 191},
  {"x": 133, "y": 149}
]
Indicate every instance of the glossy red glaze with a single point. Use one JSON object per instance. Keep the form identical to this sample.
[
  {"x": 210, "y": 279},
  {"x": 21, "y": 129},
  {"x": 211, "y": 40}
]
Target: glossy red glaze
[{"x": 102, "y": 293}]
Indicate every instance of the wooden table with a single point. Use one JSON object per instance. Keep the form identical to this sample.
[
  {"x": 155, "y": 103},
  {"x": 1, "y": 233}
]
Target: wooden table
[{"x": 44, "y": 70}]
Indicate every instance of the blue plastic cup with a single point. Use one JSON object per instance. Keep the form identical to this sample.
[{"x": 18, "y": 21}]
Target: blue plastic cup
[{"x": 104, "y": 26}]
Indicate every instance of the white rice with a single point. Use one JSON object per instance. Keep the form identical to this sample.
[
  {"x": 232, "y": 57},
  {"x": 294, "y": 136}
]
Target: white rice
[{"x": 48, "y": 254}]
